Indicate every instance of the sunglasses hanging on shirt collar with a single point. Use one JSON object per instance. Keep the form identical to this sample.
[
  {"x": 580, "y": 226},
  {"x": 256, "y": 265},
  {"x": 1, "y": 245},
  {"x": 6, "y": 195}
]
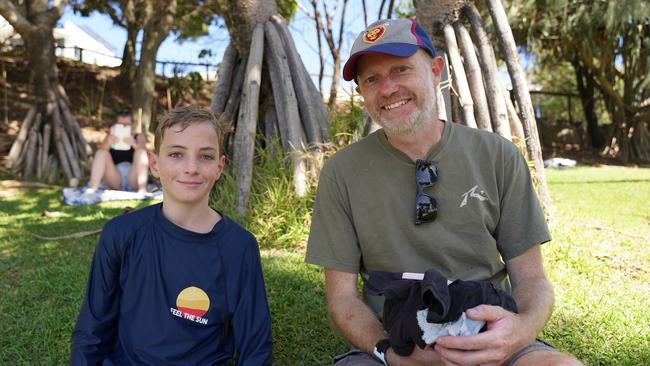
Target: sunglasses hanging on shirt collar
[{"x": 426, "y": 207}]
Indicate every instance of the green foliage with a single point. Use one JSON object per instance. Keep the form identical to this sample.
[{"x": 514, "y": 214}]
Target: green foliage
[
  {"x": 347, "y": 123},
  {"x": 287, "y": 8},
  {"x": 610, "y": 38},
  {"x": 278, "y": 217}
]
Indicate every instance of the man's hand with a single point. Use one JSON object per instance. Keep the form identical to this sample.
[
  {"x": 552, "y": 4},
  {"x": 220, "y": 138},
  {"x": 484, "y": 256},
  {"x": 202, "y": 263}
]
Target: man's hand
[
  {"x": 505, "y": 335},
  {"x": 420, "y": 357}
]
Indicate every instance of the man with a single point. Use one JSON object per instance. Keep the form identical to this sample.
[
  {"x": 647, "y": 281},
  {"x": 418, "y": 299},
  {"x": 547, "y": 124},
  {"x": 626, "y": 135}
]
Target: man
[{"x": 475, "y": 215}]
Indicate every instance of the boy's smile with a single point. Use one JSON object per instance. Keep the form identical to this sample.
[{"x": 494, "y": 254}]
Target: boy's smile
[{"x": 188, "y": 164}]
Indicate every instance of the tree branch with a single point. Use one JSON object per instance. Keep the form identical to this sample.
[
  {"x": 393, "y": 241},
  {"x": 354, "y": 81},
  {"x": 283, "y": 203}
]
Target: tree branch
[{"x": 18, "y": 21}]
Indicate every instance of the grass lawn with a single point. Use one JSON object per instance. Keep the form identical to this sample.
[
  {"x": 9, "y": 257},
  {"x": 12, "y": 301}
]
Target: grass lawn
[{"x": 599, "y": 263}]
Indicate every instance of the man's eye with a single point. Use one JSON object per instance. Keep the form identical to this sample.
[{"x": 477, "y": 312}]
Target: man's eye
[
  {"x": 402, "y": 69},
  {"x": 371, "y": 80}
]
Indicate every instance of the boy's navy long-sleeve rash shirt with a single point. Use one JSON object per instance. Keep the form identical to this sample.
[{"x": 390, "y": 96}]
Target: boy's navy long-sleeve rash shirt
[{"x": 162, "y": 295}]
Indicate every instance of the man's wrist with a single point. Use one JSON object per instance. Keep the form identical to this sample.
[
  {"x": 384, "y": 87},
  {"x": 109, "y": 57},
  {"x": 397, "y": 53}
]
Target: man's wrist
[{"x": 381, "y": 349}]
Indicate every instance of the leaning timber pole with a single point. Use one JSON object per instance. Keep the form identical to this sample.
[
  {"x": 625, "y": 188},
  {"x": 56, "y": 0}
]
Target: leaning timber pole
[{"x": 522, "y": 95}]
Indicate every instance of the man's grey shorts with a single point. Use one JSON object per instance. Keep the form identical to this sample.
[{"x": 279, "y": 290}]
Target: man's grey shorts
[{"x": 360, "y": 358}]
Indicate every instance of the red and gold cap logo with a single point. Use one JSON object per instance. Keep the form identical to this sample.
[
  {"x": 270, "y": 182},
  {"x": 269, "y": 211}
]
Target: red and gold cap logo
[{"x": 374, "y": 34}]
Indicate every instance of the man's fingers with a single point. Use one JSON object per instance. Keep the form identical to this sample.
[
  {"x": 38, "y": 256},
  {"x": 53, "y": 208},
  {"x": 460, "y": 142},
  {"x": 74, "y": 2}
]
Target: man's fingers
[
  {"x": 489, "y": 313},
  {"x": 455, "y": 356},
  {"x": 467, "y": 343}
]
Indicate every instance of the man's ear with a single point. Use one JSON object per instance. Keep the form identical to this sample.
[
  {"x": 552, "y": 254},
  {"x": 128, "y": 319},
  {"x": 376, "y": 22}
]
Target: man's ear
[
  {"x": 153, "y": 164},
  {"x": 437, "y": 65}
]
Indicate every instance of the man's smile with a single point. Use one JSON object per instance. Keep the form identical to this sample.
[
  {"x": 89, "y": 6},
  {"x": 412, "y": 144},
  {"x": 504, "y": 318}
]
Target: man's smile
[{"x": 399, "y": 103}]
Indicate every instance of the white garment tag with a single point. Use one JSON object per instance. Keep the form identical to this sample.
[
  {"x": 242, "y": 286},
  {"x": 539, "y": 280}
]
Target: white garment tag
[
  {"x": 412, "y": 276},
  {"x": 417, "y": 276}
]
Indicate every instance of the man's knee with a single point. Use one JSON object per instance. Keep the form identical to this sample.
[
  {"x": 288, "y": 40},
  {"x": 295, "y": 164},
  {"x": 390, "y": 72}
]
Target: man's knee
[{"x": 547, "y": 358}]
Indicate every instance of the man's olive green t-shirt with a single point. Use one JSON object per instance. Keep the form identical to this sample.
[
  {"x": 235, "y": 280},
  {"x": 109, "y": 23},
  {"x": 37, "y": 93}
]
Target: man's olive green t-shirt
[{"x": 488, "y": 211}]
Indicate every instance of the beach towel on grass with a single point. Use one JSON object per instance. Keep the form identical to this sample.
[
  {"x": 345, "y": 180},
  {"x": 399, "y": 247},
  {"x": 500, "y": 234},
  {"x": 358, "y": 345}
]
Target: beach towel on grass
[{"x": 81, "y": 196}]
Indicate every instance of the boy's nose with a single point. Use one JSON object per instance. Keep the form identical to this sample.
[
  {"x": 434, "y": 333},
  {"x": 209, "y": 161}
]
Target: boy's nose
[{"x": 192, "y": 166}]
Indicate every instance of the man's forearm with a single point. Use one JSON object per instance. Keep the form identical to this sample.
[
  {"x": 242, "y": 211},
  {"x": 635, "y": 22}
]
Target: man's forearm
[
  {"x": 535, "y": 303},
  {"x": 356, "y": 322}
]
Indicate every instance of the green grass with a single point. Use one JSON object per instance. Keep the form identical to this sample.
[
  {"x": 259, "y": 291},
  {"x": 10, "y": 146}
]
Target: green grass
[{"x": 599, "y": 262}]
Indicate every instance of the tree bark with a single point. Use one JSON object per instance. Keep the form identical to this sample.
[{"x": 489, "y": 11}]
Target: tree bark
[
  {"x": 474, "y": 76},
  {"x": 465, "y": 98},
  {"x": 247, "y": 120},
  {"x": 224, "y": 80},
  {"x": 586, "y": 87},
  {"x": 312, "y": 111},
  {"x": 520, "y": 87},
  {"x": 496, "y": 103},
  {"x": 286, "y": 106}
]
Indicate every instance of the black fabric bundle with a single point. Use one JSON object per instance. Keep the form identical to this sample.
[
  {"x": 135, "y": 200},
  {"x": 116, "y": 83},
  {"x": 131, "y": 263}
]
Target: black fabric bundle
[{"x": 444, "y": 303}]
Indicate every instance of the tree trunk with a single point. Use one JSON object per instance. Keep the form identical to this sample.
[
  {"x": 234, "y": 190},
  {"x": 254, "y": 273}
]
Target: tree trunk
[
  {"x": 156, "y": 28},
  {"x": 128, "y": 67},
  {"x": 247, "y": 121},
  {"x": 69, "y": 147},
  {"x": 520, "y": 87},
  {"x": 297, "y": 110},
  {"x": 474, "y": 76},
  {"x": 493, "y": 86},
  {"x": 586, "y": 87},
  {"x": 465, "y": 98}
]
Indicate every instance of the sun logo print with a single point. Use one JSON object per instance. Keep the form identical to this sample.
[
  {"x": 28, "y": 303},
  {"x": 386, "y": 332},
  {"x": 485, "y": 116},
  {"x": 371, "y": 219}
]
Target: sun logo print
[{"x": 192, "y": 303}]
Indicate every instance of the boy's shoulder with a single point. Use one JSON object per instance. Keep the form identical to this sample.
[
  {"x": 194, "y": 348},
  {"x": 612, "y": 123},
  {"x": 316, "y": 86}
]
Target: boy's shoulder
[
  {"x": 232, "y": 229},
  {"x": 125, "y": 225}
]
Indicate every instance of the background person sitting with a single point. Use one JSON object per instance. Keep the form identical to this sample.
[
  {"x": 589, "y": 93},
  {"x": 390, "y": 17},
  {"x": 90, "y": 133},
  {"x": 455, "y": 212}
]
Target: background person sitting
[{"x": 121, "y": 161}]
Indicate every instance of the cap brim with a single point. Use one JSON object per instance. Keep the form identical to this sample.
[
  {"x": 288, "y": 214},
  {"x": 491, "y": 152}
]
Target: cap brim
[{"x": 393, "y": 49}]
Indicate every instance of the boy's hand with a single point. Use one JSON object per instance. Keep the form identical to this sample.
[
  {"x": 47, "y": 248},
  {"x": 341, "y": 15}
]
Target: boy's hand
[{"x": 504, "y": 336}]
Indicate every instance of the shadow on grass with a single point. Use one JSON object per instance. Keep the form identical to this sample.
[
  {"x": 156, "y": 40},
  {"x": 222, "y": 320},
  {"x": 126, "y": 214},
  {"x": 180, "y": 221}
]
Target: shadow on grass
[
  {"x": 42, "y": 281},
  {"x": 302, "y": 334}
]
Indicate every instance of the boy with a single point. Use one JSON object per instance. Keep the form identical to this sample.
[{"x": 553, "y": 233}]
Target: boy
[{"x": 176, "y": 283}]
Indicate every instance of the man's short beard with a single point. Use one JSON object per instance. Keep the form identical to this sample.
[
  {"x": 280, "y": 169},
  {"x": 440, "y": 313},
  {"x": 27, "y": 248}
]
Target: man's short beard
[{"x": 415, "y": 121}]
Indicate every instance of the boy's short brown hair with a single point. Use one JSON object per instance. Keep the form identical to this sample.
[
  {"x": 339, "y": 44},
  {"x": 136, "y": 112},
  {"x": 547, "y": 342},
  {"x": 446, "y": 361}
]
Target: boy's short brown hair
[{"x": 185, "y": 116}]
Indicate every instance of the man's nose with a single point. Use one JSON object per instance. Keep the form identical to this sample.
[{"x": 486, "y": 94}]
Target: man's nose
[{"x": 388, "y": 86}]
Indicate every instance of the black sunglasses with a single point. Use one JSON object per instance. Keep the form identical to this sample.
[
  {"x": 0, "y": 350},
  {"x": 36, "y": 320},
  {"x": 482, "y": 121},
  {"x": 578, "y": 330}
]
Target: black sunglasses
[{"x": 426, "y": 175}]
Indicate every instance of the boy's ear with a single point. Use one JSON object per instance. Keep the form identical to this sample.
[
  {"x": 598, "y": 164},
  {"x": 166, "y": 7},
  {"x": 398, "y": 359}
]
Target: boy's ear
[
  {"x": 221, "y": 164},
  {"x": 153, "y": 164}
]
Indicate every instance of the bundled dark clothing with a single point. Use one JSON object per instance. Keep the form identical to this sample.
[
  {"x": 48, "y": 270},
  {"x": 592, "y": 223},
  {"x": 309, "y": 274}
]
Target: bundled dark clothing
[{"x": 444, "y": 303}]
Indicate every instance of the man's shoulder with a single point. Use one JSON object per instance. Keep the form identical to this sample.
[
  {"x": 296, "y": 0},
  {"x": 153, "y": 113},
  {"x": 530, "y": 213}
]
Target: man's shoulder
[
  {"x": 476, "y": 138},
  {"x": 356, "y": 152}
]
